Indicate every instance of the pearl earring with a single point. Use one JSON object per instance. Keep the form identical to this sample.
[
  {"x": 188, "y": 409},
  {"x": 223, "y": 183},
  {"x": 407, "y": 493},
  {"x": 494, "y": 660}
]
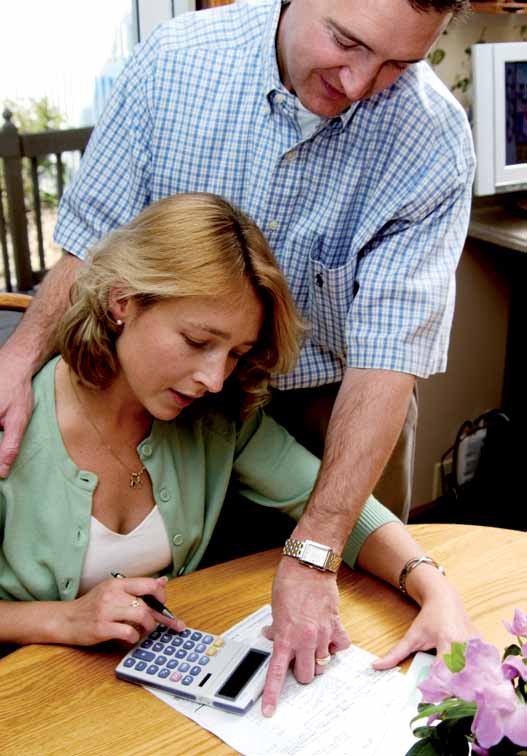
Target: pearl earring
[{"x": 119, "y": 322}]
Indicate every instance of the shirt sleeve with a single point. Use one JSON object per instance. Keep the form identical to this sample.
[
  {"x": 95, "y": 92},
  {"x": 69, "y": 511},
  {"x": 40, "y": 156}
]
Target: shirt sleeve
[
  {"x": 274, "y": 470},
  {"x": 402, "y": 311},
  {"x": 112, "y": 184}
]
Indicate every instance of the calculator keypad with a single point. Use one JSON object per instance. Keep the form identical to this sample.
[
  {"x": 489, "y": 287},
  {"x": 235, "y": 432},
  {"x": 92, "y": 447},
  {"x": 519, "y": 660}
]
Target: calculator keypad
[{"x": 180, "y": 657}]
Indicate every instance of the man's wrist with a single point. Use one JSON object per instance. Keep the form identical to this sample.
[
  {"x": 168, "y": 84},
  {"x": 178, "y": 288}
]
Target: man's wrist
[{"x": 312, "y": 554}]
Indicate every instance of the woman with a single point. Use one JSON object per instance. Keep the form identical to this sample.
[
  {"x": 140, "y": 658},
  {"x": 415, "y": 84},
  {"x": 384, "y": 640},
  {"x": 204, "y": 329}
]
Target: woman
[{"x": 152, "y": 407}]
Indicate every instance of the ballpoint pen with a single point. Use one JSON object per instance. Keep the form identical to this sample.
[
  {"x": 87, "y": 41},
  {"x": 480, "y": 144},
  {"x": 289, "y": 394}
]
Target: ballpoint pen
[{"x": 150, "y": 600}]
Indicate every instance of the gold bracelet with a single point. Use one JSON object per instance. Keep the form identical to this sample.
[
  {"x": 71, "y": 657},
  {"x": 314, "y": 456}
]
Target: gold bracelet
[{"x": 410, "y": 565}]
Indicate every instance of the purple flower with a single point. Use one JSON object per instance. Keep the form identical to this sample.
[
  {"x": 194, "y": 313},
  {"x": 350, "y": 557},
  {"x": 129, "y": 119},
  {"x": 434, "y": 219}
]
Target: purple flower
[
  {"x": 482, "y": 670},
  {"x": 519, "y": 623},
  {"x": 499, "y": 715},
  {"x": 437, "y": 685},
  {"x": 479, "y": 750},
  {"x": 485, "y": 681},
  {"x": 514, "y": 666}
]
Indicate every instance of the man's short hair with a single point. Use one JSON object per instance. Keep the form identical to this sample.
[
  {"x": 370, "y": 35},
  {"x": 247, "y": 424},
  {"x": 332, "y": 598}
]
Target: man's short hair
[{"x": 456, "y": 7}]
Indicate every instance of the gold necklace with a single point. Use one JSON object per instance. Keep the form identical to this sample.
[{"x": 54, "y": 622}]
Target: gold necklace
[{"x": 136, "y": 478}]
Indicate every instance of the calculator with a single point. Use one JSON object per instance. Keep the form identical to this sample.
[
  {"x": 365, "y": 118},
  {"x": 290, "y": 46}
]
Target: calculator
[{"x": 198, "y": 666}]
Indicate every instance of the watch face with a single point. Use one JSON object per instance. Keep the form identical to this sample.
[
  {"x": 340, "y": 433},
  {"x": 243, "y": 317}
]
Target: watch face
[{"x": 314, "y": 554}]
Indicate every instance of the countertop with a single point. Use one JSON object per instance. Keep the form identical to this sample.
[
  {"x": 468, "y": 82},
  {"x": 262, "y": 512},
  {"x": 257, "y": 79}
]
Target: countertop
[{"x": 499, "y": 224}]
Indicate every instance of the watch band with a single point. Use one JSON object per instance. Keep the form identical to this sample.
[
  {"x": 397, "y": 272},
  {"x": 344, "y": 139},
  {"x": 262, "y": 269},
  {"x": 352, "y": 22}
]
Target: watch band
[{"x": 328, "y": 561}]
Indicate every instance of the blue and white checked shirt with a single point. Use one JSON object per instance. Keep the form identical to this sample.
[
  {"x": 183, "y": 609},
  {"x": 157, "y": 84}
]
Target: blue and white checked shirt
[{"x": 367, "y": 217}]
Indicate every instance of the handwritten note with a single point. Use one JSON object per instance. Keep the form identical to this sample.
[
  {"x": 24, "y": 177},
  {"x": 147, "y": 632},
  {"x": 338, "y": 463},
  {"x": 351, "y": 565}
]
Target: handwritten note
[{"x": 350, "y": 709}]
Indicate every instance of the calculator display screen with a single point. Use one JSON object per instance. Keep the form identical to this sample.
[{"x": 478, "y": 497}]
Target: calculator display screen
[{"x": 249, "y": 665}]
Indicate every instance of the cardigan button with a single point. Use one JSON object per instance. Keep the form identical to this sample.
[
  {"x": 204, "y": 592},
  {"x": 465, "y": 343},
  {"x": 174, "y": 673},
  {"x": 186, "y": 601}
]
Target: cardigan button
[
  {"x": 177, "y": 540},
  {"x": 164, "y": 495}
]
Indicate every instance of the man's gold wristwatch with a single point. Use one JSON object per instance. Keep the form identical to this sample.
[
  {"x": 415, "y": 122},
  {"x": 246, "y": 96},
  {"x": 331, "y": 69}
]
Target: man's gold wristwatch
[{"x": 312, "y": 554}]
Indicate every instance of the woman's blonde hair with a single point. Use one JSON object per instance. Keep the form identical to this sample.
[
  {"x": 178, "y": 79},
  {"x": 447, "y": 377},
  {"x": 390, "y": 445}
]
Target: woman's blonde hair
[{"x": 194, "y": 244}]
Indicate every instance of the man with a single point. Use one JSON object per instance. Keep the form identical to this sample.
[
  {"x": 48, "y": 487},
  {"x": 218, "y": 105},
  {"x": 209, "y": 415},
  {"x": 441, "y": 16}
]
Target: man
[{"x": 321, "y": 120}]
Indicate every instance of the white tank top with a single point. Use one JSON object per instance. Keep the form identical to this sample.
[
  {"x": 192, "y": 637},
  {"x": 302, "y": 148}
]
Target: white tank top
[{"x": 140, "y": 553}]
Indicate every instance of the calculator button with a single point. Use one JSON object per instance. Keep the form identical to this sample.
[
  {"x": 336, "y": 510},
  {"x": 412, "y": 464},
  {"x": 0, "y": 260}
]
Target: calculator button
[
  {"x": 176, "y": 676},
  {"x": 164, "y": 673},
  {"x": 177, "y": 641},
  {"x": 129, "y": 662},
  {"x": 152, "y": 670},
  {"x": 212, "y": 651},
  {"x": 185, "y": 633},
  {"x": 138, "y": 653},
  {"x": 201, "y": 647},
  {"x": 189, "y": 645},
  {"x": 193, "y": 657},
  {"x": 181, "y": 654},
  {"x": 158, "y": 647},
  {"x": 146, "y": 643},
  {"x": 166, "y": 638},
  {"x": 161, "y": 660},
  {"x": 154, "y": 634},
  {"x": 184, "y": 667},
  {"x": 187, "y": 680},
  {"x": 196, "y": 635},
  {"x": 207, "y": 639},
  {"x": 195, "y": 671},
  {"x": 169, "y": 650},
  {"x": 204, "y": 660},
  {"x": 172, "y": 664},
  {"x": 163, "y": 628},
  {"x": 219, "y": 642},
  {"x": 140, "y": 666}
]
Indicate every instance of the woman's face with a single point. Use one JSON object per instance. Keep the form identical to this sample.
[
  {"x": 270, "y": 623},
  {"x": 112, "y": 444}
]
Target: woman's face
[{"x": 176, "y": 351}]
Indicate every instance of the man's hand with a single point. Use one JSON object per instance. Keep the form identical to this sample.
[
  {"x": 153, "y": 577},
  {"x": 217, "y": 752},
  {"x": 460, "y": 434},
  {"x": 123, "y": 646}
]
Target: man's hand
[
  {"x": 25, "y": 352},
  {"x": 16, "y": 405},
  {"x": 306, "y": 624}
]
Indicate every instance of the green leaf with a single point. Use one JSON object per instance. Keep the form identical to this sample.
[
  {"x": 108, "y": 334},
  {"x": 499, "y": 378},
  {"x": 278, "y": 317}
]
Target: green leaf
[
  {"x": 422, "y": 732},
  {"x": 464, "y": 709},
  {"x": 455, "y": 660},
  {"x": 451, "y": 708},
  {"x": 454, "y": 735},
  {"x": 436, "y": 57},
  {"x": 428, "y": 747},
  {"x": 512, "y": 650}
]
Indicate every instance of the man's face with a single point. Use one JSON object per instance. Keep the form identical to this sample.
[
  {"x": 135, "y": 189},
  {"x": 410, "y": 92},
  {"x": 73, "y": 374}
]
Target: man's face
[{"x": 334, "y": 52}]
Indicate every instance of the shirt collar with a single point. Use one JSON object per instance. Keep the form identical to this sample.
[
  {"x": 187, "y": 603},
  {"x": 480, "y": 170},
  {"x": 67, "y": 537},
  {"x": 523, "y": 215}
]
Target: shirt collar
[{"x": 271, "y": 75}]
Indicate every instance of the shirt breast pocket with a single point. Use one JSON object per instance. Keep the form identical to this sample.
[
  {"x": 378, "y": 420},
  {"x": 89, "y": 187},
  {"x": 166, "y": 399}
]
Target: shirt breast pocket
[{"x": 331, "y": 293}]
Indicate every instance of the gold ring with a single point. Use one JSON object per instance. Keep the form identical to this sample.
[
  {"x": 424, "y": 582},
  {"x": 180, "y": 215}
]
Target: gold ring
[
  {"x": 135, "y": 603},
  {"x": 323, "y": 660}
]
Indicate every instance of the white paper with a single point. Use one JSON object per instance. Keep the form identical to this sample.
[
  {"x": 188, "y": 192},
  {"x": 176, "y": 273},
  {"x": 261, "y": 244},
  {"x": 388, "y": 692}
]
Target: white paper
[
  {"x": 345, "y": 711},
  {"x": 398, "y": 737}
]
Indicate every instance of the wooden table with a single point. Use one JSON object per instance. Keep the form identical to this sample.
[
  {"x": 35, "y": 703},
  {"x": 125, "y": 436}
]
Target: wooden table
[{"x": 58, "y": 700}]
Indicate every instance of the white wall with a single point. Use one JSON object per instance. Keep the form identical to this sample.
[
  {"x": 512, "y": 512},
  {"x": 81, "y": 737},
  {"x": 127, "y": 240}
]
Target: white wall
[{"x": 149, "y": 13}]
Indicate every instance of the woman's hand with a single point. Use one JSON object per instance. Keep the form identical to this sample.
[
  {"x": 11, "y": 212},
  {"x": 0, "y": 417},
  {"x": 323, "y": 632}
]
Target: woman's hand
[
  {"x": 441, "y": 621},
  {"x": 113, "y": 610}
]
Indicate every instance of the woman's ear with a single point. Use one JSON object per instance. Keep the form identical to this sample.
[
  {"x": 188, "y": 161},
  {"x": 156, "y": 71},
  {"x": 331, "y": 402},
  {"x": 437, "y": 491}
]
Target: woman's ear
[{"x": 118, "y": 304}]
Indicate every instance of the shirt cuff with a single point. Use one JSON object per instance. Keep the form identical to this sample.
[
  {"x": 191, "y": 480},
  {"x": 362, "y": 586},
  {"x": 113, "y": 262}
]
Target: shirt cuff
[{"x": 373, "y": 516}]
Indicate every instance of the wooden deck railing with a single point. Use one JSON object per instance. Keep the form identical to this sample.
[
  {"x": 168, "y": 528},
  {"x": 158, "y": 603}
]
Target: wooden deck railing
[{"x": 15, "y": 148}]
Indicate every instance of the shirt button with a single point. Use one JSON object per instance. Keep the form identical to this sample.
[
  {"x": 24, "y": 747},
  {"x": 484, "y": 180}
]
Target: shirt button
[
  {"x": 273, "y": 225},
  {"x": 177, "y": 540},
  {"x": 290, "y": 156},
  {"x": 146, "y": 450},
  {"x": 280, "y": 98},
  {"x": 164, "y": 495}
]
